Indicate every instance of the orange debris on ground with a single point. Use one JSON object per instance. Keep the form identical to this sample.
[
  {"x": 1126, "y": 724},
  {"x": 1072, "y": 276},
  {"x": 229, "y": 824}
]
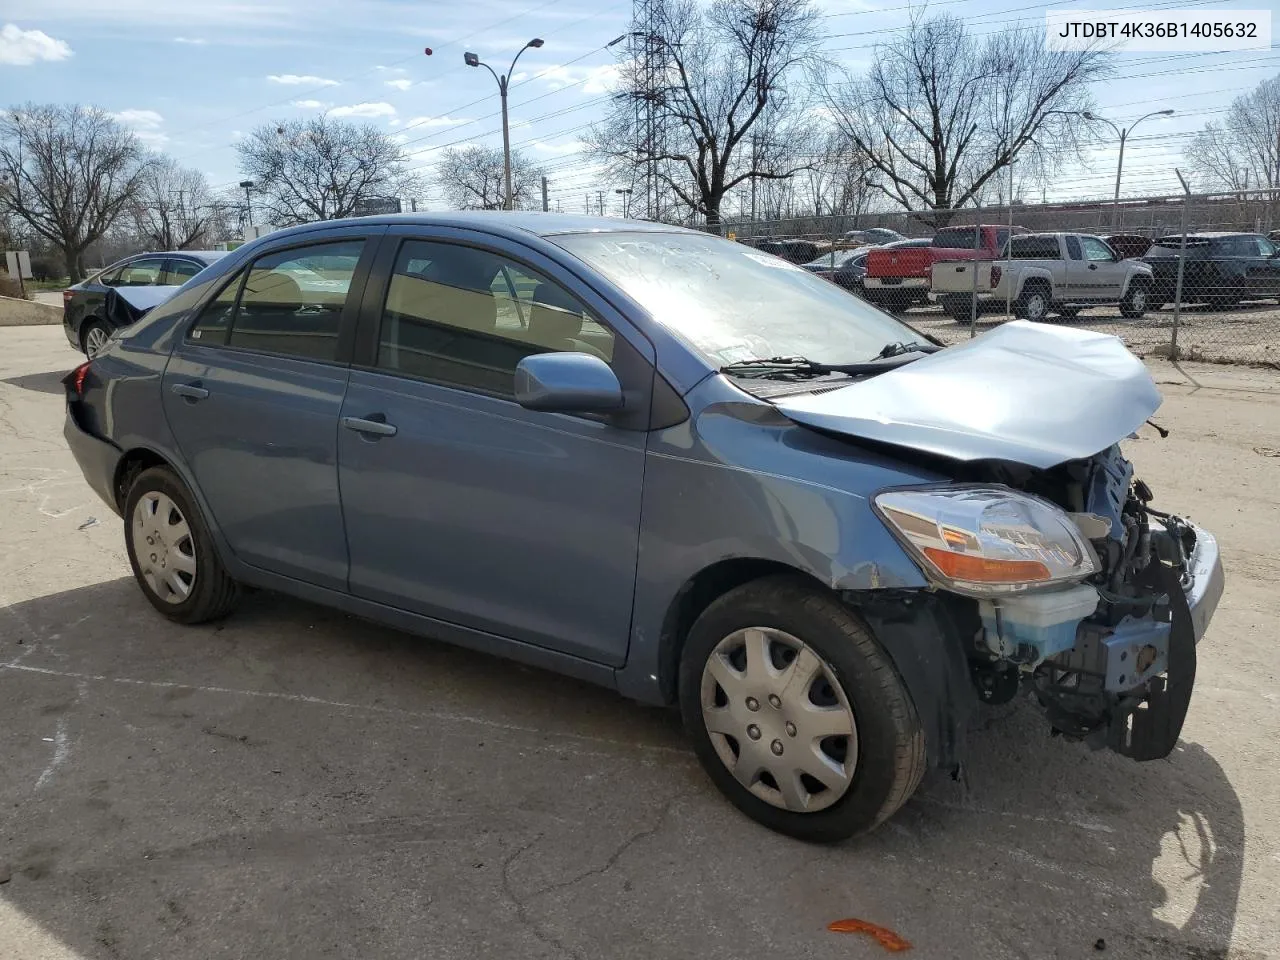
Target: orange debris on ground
[{"x": 884, "y": 936}]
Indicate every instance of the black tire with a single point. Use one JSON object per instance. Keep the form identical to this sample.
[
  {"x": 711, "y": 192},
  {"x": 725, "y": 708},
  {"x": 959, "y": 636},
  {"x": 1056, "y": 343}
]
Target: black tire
[
  {"x": 87, "y": 330},
  {"x": 890, "y": 740},
  {"x": 213, "y": 594},
  {"x": 959, "y": 309},
  {"x": 1034, "y": 303},
  {"x": 1135, "y": 303}
]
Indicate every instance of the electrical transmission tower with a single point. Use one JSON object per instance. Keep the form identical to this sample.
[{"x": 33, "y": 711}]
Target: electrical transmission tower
[{"x": 651, "y": 53}]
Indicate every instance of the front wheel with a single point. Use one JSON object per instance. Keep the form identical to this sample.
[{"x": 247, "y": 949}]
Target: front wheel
[
  {"x": 797, "y": 714},
  {"x": 172, "y": 552},
  {"x": 1134, "y": 304}
]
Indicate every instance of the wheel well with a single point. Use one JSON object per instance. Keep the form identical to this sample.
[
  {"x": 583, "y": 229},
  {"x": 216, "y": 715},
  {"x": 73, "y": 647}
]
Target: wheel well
[
  {"x": 130, "y": 465},
  {"x": 1037, "y": 283},
  {"x": 698, "y": 593}
]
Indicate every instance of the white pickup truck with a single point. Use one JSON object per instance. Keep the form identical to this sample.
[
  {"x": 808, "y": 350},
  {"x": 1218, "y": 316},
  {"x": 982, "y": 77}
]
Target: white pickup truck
[{"x": 1044, "y": 273}]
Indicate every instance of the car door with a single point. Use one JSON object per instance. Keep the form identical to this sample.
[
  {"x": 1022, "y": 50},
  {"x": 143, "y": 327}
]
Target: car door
[
  {"x": 1270, "y": 268},
  {"x": 1103, "y": 276},
  {"x": 459, "y": 503},
  {"x": 252, "y": 393},
  {"x": 1078, "y": 274}
]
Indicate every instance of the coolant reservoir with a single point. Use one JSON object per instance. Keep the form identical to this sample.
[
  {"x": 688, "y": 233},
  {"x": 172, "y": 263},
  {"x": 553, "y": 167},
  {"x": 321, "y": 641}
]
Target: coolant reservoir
[{"x": 1027, "y": 629}]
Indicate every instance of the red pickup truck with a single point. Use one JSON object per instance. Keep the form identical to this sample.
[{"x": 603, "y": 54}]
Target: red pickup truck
[{"x": 898, "y": 278}]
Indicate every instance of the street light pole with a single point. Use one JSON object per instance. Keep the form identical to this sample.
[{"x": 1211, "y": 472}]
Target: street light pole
[
  {"x": 472, "y": 60},
  {"x": 625, "y": 194},
  {"x": 1123, "y": 134}
]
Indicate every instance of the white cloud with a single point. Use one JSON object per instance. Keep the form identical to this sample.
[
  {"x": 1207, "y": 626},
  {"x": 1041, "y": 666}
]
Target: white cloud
[
  {"x": 559, "y": 149},
  {"x": 145, "y": 124},
  {"x": 378, "y": 109},
  {"x": 139, "y": 119},
  {"x": 310, "y": 104},
  {"x": 21, "y": 48},
  {"x": 592, "y": 80},
  {"x": 193, "y": 41},
  {"x": 400, "y": 84},
  {"x": 299, "y": 80},
  {"x": 445, "y": 121}
]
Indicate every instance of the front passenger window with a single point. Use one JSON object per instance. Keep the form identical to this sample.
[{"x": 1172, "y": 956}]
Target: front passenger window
[{"x": 465, "y": 317}]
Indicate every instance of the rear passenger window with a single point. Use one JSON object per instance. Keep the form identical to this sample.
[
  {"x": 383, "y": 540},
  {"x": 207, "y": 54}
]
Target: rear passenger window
[
  {"x": 1073, "y": 248},
  {"x": 465, "y": 317},
  {"x": 178, "y": 272},
  {"x": 290, "y": 303}
]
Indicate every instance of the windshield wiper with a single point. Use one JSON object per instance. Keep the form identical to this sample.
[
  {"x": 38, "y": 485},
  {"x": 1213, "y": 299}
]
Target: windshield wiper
[{"x": 782, "y": 368}]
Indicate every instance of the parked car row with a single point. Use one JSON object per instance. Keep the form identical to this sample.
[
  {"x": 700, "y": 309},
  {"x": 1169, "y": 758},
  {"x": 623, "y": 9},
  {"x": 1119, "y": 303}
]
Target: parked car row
[{"x": 1056, "y": 273}]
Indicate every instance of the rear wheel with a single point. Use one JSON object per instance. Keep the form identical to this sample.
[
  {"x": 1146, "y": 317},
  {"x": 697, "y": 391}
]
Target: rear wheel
[
  {"x": 1033, "y": 304},
  {"x": 959, "y": 309},
  {"x": 93, "y": 337},
  {"x": 1134, "y": 304},
  {"x": 172, "y": 552},
  {"x": 797, "y": 714}
]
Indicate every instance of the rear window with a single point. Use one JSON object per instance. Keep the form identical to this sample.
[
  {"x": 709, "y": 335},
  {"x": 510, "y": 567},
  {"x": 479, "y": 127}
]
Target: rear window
[
  {"x": 1168, "y": 246},
  {"x": 1033, "y": 248},
  {"x": 1235, "y": 247}
]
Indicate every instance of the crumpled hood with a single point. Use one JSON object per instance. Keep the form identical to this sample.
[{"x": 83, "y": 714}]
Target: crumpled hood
[{"x": 1023, "y": 392}]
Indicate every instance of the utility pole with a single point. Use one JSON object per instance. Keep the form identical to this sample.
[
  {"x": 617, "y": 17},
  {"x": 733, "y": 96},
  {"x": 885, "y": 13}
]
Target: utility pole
[
  {"x": 545, "y": 205},
  {"x": 600, "y": 197},
  {"x": 755, "y": 159}
]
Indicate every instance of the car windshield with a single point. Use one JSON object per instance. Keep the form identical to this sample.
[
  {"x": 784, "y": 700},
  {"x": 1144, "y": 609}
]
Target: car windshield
[{"x": 732, "y": 303}]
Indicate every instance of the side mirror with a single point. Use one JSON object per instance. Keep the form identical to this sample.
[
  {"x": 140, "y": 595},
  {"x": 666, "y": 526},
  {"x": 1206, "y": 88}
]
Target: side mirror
[{"x": 567, "y": 383}]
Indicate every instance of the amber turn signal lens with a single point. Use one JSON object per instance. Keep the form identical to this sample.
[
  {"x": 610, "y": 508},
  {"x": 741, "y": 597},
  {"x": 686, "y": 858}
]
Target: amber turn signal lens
[{"x": 974, "y": 569}]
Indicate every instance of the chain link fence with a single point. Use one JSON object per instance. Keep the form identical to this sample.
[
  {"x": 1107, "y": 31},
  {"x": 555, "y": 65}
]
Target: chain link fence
[{"x": 1205, "y": 285}]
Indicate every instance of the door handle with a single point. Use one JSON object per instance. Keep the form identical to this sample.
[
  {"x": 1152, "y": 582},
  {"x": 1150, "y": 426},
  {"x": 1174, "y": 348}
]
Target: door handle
[
  {"x": 191, "y": 392},
  {"x": 1093, "y": 266},
  {"x": 370, "y": 426}
]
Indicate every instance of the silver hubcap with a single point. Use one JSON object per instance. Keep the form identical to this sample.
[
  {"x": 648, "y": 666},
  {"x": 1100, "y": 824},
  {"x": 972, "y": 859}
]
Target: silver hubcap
[
  {"x": 1036, "y": 307},
  {"x": 163, "y": 546},
  {"x": 95, "y": 340},
  {"x": 779, "y": 720},
  {"x": 1139, "y": 299}
]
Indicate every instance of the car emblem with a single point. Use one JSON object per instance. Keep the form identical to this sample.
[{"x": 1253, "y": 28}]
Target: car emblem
[{"x": 893, "y": 259}]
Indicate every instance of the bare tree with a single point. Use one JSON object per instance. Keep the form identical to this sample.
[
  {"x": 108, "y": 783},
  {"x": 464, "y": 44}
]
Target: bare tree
[
  {"x": 69, "y": 172},
  {"x": 1243, "y": 151},
  {"x": 473, "y": 178},
  {"x": 840, "y": 176},
  {"x": 174, "y": 208},
  {"x": 322, "y": 169},
  {"x": 941, "y": 112},
  {"x": 726, "y": 68}
]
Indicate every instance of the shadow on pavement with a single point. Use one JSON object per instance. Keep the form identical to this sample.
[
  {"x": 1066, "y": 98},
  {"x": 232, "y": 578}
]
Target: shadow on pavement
[
  {"x": 297, "y": 783},
  {"x": 50, "y": 382}
]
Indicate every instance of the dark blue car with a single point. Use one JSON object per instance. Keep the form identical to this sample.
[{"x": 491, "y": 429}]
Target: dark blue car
[{"x": 669, "y": 464}]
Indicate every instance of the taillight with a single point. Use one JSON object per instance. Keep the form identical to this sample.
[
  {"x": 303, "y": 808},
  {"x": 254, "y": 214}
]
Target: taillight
[
  {"x": 995, "y": 276},
  {"x": 66, "y": 296},
  {"x": 78, "y": 376}
]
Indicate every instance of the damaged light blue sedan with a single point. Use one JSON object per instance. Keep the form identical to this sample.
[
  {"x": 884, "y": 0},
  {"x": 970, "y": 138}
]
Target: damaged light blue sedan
[{"x": 672, "y": 465}]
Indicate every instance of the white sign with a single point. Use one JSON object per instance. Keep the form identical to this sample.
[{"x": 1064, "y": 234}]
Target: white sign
[
  {"x": 1155, "y": 31},
  {"x": 18, "y": 263}
]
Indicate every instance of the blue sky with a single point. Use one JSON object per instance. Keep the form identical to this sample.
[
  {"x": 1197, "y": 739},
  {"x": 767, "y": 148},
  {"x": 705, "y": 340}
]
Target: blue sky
[{"x": 191, "y": 82}]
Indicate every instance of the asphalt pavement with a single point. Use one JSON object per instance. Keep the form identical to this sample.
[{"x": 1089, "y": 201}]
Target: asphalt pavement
[{"x": 295, "y": 783}]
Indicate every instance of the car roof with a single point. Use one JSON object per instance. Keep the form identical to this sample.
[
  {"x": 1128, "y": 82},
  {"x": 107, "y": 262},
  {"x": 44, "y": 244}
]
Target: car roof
[
  {"x": 507, "y": 222},
  {"x": 1212, "y": 234}
]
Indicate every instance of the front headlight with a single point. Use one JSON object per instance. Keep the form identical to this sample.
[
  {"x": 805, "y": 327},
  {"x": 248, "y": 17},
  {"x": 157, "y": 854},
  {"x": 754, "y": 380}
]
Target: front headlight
[{"x": 987, "y": 540}]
